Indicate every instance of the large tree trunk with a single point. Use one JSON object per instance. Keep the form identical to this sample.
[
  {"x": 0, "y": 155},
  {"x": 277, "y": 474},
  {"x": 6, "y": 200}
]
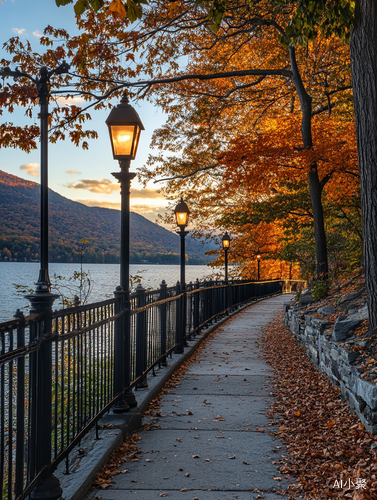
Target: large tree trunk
[{"x": 364, "y": 78}]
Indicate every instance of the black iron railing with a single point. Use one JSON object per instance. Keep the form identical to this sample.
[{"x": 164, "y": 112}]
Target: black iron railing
[{"x": 81, "y": 343}]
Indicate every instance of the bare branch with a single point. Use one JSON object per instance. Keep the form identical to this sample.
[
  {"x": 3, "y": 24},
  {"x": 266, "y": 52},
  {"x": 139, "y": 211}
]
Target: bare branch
[{"x": 186, "y": 176}]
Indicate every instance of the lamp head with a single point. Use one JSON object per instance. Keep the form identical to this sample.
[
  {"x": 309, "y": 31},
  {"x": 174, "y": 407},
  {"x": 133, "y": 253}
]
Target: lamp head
[
  {"x": 226, "y": 240},
  {"x": 124, "y": 127},
  {"x": 258, "y": 254},
  {"x": 181, "y": 213}
]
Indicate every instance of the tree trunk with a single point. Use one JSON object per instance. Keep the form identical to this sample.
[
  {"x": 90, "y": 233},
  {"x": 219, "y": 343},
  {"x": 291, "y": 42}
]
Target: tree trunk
[
  {"x": 315, "y": 189},
  {"x": 363, "y": 49},
  {"x": 315, "y": 186}
]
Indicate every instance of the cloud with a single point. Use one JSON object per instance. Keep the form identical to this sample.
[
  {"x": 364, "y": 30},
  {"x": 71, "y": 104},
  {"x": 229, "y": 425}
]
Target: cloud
[
  {"x": 148, "y": 211},
  {"x": 102, "y": 204},
  {"x": 19, "y": 31},
  {"x": 69, "y": 101},
  {"x": 37, "y": 34},
  {"x": 72, "y": 172},
  {"x": 103, "y": 186},
  {"x": 145, "y": 193},
  {"x": 31, "y": 169}
]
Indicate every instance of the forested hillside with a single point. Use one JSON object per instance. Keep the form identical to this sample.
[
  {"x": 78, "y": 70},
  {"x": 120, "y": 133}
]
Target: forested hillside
[{"x": 71, "y": 222}]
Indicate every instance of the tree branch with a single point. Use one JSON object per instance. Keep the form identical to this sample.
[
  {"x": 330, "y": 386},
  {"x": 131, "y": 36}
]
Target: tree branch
[
  {"x": 326, "y": 179},
  {"x": 185, "y": 176}
]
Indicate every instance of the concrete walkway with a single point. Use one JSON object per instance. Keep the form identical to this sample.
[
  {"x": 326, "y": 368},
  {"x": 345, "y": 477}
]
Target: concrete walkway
[{"x": 212, "y": 441}]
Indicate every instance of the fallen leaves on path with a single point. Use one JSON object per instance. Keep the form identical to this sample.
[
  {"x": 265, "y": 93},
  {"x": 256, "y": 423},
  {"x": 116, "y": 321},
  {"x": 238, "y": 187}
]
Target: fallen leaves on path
[
  {"x": 125, "y": 453},
  {"x": 324, "y": 441}
]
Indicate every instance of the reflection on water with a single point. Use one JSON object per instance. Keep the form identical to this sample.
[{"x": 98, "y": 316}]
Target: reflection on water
[{"x": 105, "y": 278}]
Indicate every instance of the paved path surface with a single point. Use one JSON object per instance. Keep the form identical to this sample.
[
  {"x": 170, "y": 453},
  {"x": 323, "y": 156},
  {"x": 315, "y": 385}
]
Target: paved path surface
[{"x": 213, "y": 415}]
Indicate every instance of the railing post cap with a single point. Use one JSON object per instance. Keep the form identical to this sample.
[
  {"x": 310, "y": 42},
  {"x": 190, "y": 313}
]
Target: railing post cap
[
  {"x": 19, "y": 314},
  {"x": 163, "y": 283},
  {"x": 140, "y": 288}
]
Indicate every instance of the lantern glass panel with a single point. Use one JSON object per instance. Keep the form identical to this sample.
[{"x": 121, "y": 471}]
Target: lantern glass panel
[
  {"x": 122, "y": 136},
  {"x": 226, "y": 243},
  {"x": 182, "y": 218},
  {"x": 136, "y": 142}
]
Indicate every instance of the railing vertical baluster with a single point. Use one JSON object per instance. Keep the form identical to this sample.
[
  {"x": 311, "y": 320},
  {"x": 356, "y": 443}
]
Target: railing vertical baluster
[
  {"x": 33, "y": 325},
  {"x": 121, "y": 405},
  {"x": 55, "y": 398},
  {"x": 74, "y": 392},
  {"x": 69, "y": 383},
  {"x": 141, "y": 338},
  {"x": 2, "y": 417},
  {"x": 20, "y": 423},
  {"x": 163, "y": 295},
  {"x": 50, "y": 485},
  {"x": 62, "y": 397},
  {"x": 178, "y": 323},
  {"x": 10, "y": 419},
  {"x": 196, "y": 305}
]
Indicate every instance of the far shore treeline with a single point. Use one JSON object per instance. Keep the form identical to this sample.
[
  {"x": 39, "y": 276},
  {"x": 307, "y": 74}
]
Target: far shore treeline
[{"x": 71, "y": 222}]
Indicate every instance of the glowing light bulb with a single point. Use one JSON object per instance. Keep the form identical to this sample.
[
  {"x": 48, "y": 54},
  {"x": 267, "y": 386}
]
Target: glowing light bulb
[{"x": 123, "y": 138}]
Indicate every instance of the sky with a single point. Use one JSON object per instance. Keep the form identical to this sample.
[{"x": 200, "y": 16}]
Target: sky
[{"x": 79, "y": 175}]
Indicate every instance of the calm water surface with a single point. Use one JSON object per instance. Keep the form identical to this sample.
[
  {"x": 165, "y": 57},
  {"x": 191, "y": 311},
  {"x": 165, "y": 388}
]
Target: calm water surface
[{"x": 105, "y": 278}]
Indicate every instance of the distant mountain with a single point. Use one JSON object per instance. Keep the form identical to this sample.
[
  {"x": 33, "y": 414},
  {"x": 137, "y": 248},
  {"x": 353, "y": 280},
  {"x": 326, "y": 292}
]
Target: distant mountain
[{"x": 71, "y": 222}]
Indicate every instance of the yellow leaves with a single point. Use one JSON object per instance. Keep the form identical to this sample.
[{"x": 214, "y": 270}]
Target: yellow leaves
[{"x": 118, "y": 8}]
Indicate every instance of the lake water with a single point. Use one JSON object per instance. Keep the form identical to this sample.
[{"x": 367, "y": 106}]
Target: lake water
[{"x": 105, "y": 278}]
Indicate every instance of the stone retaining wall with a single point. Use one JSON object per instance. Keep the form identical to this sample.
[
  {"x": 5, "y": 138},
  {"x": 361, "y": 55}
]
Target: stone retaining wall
[{"x": 337, "y": 359}]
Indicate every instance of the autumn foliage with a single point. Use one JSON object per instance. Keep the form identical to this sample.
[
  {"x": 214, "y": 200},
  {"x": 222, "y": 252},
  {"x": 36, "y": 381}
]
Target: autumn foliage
[
  {"x": 260, "y": 135},
  {"x": 325, "y": 442}
]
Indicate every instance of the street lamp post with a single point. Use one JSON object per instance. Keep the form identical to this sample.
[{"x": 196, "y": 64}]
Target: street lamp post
[
  {"x": 124, "y": 127},
  {"x": 42, "y": 299},
  {"x": 258, "y": 260},
  {"x": 182, "y": 213},
  {"x": 226, "y": 244}
]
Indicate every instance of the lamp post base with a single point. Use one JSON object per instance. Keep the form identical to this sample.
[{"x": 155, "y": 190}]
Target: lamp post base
[
  {"x": 121, "y": 406},
  {"x": 143, "y": 384}
]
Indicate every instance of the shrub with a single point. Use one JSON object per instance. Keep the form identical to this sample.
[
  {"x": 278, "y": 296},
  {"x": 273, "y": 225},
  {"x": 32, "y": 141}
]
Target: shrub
[{"x": 320, "y": 289}]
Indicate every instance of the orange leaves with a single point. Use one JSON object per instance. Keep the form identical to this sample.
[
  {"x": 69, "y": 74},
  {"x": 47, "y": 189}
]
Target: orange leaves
[
  {"x": 126, "y": 452},
  {"x": 118, "y": 7}
]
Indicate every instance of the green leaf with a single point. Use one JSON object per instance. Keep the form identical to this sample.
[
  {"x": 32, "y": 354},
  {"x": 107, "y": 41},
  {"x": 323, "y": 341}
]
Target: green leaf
[
  {"x": 63, "y": 2},
  {"x": 81, "y": 6},
  {"x": 134, "y": 11},
  {"x": 96, "y": 4}
]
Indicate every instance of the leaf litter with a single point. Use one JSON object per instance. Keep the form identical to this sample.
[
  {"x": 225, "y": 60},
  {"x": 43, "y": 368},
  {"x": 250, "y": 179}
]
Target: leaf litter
[{"x": 325, "y": 442}]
